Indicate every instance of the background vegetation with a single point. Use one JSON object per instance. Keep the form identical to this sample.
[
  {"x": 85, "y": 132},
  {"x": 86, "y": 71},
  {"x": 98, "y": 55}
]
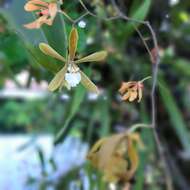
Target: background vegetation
[{"x": 91, "y": 119}]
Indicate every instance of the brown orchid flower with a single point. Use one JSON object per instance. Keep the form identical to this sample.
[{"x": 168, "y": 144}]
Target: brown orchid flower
[
  {"x": 71, "y": 75},
  {"x": 132, "y": 90},
  {"x": 116, "y": 157},
  {"x": 45, "y": 10}
]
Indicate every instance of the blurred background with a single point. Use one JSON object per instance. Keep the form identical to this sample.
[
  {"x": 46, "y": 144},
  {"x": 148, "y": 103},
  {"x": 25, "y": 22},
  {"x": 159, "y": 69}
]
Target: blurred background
[{"x": 31, "y": 118}]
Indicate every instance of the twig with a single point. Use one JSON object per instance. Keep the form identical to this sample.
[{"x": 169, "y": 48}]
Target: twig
[
  {"x": 155, "y": 66},
  {"x": 144, "y": 42},
  {"x": 66, "y": 15},
  {"x": 146, "y": 78},
  {"x": 137, "y": 126},
  {"x": 80, "y": 18},
  {"x": 84, "y": 15},
  {"x": 153, "y": 91},
  {"x": 154, "y": 76},
  {"x": 87, "y": 12}
]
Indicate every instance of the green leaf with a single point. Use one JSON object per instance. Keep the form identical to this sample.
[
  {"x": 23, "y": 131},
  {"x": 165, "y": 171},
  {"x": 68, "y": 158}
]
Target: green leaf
[
  {"x": 75, "y": 103},
  {"x": 56, "y": 35},
  {"x": 145, "y": 155},
  {"x": 182, "y": 66},
  {"x": 42, "y": 159},
  {"x": 139, "y": 12},
  {"x": 175, "y": 115},
  {"x": 43, "y": 60},
  {"x": 104, "y": 117}
]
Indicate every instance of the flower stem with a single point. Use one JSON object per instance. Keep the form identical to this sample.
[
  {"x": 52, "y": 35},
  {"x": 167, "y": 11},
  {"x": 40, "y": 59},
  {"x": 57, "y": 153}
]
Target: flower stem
[
  {"x": 149, "y": 77},
  {"x": 67, "y": 16},
  {"x": 137, "y": 126}
]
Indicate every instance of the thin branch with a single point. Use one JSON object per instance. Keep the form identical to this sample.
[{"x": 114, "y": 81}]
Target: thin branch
[
  {"x": 96, "y": 16},
  {"x": 137, "y": 126},
  {"x": 147, "y": 78},
  {"x": 144, "y": 42},
  {"x": 154, "y": 76},
  {"x": 153, "y": 91},
  {"x": 155, "y": 67},
  {"x": 86, "y": 9},
  {"x": 81, "y": 17},
  {"x": 66, "y": 15}
]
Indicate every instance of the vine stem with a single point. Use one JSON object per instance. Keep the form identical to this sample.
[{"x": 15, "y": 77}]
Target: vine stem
[
  {"x": 155, "y": 66},
  {"x": 137, "y": 126},
  {"x": 147, "y": 78}
]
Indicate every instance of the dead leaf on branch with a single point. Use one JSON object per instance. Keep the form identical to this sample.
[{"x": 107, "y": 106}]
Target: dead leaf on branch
[{"x": 116, "y": 156}]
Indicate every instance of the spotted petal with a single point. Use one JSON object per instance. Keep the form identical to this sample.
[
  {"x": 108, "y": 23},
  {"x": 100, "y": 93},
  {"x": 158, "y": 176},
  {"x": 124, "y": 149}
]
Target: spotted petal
[
  {"x": 88, "y": 84},
  {"x": 95, "y": 57},
  {"x": 58, "y": 79},
  {"x": 73, "y": 41},
  {"x": 48, "y": 50}
]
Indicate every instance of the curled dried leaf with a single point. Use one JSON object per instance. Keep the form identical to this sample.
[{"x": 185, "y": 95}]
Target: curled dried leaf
[{"x": 116, "y": 156}]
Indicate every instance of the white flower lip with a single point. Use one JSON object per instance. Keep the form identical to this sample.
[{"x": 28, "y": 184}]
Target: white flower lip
[
  {"x": 73, "y": 76},
  {"x": 73, "y": 79}
]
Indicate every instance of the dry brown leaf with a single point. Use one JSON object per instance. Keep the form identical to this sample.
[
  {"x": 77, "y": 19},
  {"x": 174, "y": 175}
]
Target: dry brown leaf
[{"x": 109, "y": 156}]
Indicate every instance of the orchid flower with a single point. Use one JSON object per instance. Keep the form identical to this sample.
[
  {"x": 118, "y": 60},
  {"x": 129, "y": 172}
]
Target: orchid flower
[
  {"x": 45, "y": 10},
  {"x": 131, "y": 90},
  {"x": 71, "y": 75}
]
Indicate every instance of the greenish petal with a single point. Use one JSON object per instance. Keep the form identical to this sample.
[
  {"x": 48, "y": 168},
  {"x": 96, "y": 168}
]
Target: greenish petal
[
  {"x": 57, "y": 80},
  {"x": 95, "y": 57},
  {"x": 88, "y": 84},
  {"x": 48, "y": 50}
]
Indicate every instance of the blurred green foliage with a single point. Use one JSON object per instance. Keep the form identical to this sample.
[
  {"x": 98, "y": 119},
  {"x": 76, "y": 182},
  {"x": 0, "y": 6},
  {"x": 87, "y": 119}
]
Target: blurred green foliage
[
  {"x": 127, "y": 60},
  {"x": 30, "y": 116}
]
